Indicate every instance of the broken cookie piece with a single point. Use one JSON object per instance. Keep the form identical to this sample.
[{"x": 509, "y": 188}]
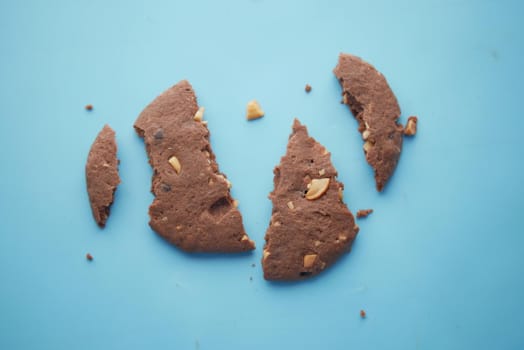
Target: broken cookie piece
[
  {"x": 193, "y": 208},
  {"x": 368, "y": 95},
  {"x": 310, "y": 226},
  {"x": 102, "y": 174}
]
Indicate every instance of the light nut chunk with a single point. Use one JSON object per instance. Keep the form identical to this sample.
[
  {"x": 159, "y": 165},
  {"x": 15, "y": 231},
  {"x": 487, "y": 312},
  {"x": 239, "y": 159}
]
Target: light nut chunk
[
  {"x": 290, "y": 205},
  {"x": 223, "y": 178},
  {"x": 254, "y": 111},
  {"x": 317, "y": 188},
  {"x": 365, "y": 134},
  {"x": 367, "y": 146},
  {"x": 411, "y": 126},
  {"x": 199, "y": 115},
  {"x": 175, "y": 164},
  {"x": 309, "y": 260},
  {"x": 265, "y": 254}
]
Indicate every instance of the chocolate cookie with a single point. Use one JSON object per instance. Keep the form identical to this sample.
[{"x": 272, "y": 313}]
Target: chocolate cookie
[
  {"x": 374, "y": 105},
  {"x": 310, "y": 226},
  {"x": 193, "y": 208},
  {"x": 102, "y": 174}
]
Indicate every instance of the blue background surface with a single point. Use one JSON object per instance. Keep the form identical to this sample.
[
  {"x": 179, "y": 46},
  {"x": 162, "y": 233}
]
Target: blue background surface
[{"x": 439, "y": 265}]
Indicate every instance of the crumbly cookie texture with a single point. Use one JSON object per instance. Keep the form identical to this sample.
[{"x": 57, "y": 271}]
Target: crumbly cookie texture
[
  {"x": 193, "y": 208},
  {"x": 372, "y": 102},
  {"x": 310, "y": 226}
]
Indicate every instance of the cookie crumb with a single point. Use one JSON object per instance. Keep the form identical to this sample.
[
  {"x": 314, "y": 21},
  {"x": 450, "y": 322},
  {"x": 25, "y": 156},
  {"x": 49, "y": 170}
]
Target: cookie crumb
[
  {"x": 253, "y": 265},
  {"x": 89, "y": 257},
  {"x": 89, "y": 107},
  {"x": 362, "y": 213},
  {"x": 307, "y": 88},
  {"x": 251, "y": 278},
  {"x": 411, "y": 126},
  {"x": 362, "y": 314}
]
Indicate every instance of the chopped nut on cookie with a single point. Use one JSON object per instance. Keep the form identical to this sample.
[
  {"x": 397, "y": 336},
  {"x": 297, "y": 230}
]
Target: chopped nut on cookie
[
  {"x": 175, "y": 164},
  {"x": 199, "y": 115},
  {"x": 317, "y": 188}
]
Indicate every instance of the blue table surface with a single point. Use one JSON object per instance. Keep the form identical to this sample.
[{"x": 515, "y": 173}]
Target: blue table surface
[{"x": 438, "y": 265}]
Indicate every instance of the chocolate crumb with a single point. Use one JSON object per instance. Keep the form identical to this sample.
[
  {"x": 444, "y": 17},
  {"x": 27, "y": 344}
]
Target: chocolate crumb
[
  {"x": 251, "y": 278},
  {"x": 362, "y": 213},
  {"x": 89, "y": 107},
  {"x": 89, "y": 257},
  {"x": 253, "y": 265},
  {"x": 308, "y": 88},
  {"x": 362, "y": 314}
]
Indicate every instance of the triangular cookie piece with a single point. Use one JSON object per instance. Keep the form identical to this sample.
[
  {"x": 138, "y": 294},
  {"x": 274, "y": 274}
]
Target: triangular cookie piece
[
  {"x": 193, "y": 208},
  {"x": 102, "y": 174},
  {"x": 310, "y": 225},
  {"x": 368, "y": 95}
]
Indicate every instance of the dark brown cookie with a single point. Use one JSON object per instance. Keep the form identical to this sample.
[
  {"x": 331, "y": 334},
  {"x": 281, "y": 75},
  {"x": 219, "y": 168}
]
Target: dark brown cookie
[
  {"x": 310, "y": 226},
  {"x": 374, "y": 105},
  {"x": 193, "y": 208},
  {"x": 102, "y": 174}
]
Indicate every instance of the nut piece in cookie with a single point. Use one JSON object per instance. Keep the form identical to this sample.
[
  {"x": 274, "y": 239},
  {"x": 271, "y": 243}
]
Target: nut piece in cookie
[
  {"x": 310, "y": 226},
  {"x": 193, "y": 208},
  {"x": 372, "y": 102},
  {"x": 102, "y": 174}
]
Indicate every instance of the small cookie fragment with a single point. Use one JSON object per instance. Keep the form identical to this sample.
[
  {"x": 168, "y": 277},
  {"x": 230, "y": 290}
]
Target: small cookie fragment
[
  {"x": 310, "y": 226},
  {"x": 362, "y": 314},
  {"x": 253, "y": 110},
  {"x": 102, "y": 174},
  {"x": 308, "y": 88},
  {"x": 362, "y": 213},
  {"x": 193, "y": 208},
  {"x": 89, "y": 257},
  {"x": 89, "y": 107},
  {"x": 411, "y": 126},
  {"x": 372, "y": 102}
]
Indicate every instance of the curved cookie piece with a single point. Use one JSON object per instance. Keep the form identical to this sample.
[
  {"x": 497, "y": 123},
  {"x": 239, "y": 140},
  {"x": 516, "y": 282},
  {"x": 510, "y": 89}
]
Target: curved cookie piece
[
  {"x": 102, "y": 174},
  {"x": 374, "y": 105},
  {"x": 310, "y": 226},
  {"x": 193, "y": 208}
]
